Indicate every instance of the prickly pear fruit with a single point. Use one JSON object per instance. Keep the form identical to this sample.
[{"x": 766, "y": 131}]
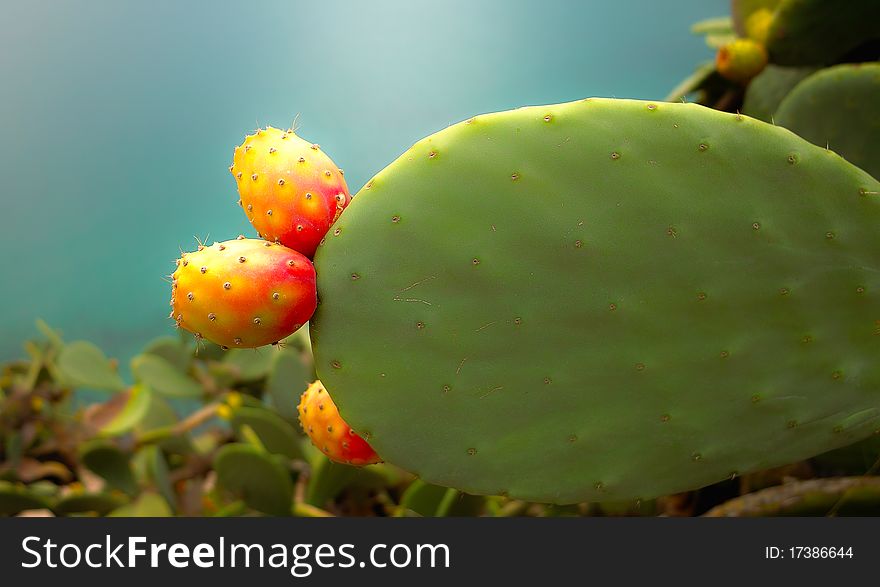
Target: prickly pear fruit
[
  {"x": 741, "y": 60},
  {"x": 243, "y": 293},
  {"x": 329, "y": 432},
  {"x": 290, "y": 190}
]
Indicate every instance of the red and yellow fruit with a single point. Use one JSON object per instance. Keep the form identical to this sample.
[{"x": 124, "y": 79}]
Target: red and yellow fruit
[
  {"x": 328, "y": 431},
  {"x": 290, "y": 190},
  {"x": 243, "y": 293}
]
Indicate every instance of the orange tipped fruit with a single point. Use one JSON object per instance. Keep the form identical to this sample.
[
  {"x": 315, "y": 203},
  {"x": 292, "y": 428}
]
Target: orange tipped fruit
[
  {"x": 243, "y": 293},
  {"x": 328, "y": 431}
]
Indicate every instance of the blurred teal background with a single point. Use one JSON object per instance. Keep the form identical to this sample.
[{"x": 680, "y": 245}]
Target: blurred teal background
[{"x": 118, "y": 119}]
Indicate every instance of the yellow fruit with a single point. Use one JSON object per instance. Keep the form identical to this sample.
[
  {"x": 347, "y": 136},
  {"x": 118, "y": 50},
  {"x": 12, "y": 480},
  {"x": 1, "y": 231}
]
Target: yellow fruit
[{"x": 741, "y": 60}]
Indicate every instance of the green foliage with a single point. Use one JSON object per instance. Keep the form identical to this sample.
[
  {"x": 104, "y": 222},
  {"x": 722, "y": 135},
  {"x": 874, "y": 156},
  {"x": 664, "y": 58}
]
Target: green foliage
[
  {"x": 173, "y": 349},
  {"x": 275, "y": 434},
  {"x": 164, "y": 377},
  {"x": 839, "y": 107},
  {"x": 82, "y": 364},
  {"x": 288, "y": 378},
  {"x": 122, "y": 413},
  {"x": 845, "y": 496},
  {"x": 819, "y": 32},
  {"x": 257, "y": 478},
  {"x": 429, "y": 500},
  {"x": 702, "y": 77},
  {"x": 15, "y": 499},
  {"x": 111, "y": 463},
  {"x": 769, "y": 88},
  {"x": 99, "y": 503},
  {"x": 717, "y": 31},
  {"x": 249, "y": 364},
  {"x": 147, "y": 505}
]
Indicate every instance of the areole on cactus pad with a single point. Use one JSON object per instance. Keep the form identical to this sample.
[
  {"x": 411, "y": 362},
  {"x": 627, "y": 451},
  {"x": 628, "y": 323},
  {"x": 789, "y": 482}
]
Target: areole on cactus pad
[{"x": 602, "y": 300}]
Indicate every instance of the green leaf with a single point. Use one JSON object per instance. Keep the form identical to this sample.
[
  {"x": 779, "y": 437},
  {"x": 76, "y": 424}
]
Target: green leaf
[
  {"x": 82, "y": 364},
  {"x": 300, "y": 340},
  {"x": 159, "y": 415},
  {"x": 79, "y": 503},
  {"x": 249, "y": 364},
  {"x": 421, "y": 498},
  {"x": 148, "y": 505},
  {"x": 718, "y": 40},
  {"x": 435, "y": 501},
  {"x": 13, "y": 448},
  {"x": 275, "y": 434},
  {"x": 260, "y": 480},
  {"x": 163, "y": 377},
  {"x": 157, "y": 473},
  {"x": 288, "y": 379},
  {"x": 122, "y": 413},
  {"x": 715, "y": 25},
  {"x": 173, "y": 350},
  {"x": 16, "y": 498},
  {"x": 329, "y": 479},
  {"x": 111, "y": 464},
  {"x": 692, "y": 83},
  {"x": 52, "y": 335}
]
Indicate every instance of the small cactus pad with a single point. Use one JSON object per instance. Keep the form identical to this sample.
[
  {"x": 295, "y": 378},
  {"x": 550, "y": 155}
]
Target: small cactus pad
[
  {"x": 328, "y": 431},
  {"x": 767, "y": 90},
  {"x": 290, "y": 190},
  {"x": 243, "y": 293},
  {"x": 818, "y": 32},
  {"x": 839, "y": 107},
  {"x": 604, "y": 300}
]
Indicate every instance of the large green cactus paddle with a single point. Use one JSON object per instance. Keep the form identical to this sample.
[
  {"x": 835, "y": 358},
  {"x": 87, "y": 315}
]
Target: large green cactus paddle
[{"x": 602, "y": 300}]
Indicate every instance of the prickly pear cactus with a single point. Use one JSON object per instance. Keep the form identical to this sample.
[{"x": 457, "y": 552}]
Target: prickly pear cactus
[
  {"x": 604, "y": 300},
  {"x": 767, "y": 90},
  {"x": 839, "y": 107},
  {"x": 818, "y": 32}
]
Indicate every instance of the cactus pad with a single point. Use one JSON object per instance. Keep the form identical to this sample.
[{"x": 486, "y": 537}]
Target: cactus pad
[
  {"x": 604, "y": 300},
  {"x": 818, "y": 32},
  {"x": 769, "y": 88},
  {"x": 839, "y": 107}
]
